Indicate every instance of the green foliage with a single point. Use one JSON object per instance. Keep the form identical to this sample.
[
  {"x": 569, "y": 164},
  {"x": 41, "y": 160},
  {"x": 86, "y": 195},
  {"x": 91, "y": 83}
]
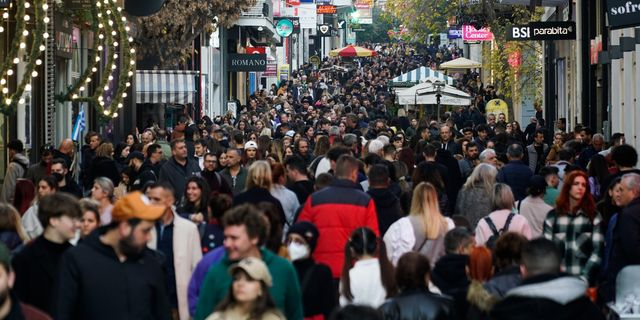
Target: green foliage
[{"x": 376, "y": 32}]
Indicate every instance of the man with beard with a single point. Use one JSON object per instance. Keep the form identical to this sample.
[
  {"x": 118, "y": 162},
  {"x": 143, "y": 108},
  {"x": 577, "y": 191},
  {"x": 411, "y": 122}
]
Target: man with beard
[
  {"x": 112, "y": 274},
  {"x": 10, "y": 306},
  {"x": 469, "y": 161},
  {"x": 65, "y": 182}
]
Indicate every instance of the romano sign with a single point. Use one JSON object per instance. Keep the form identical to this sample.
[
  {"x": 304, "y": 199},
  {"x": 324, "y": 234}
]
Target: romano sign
[
  {"x": 247, "y": 62},
  {"x": 623, "y": 13},
  {"x": 550, "y": 30}
]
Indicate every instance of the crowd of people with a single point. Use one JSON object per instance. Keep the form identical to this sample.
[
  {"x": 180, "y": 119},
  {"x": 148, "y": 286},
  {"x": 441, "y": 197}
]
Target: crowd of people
[{"x": 320, "y": 200}]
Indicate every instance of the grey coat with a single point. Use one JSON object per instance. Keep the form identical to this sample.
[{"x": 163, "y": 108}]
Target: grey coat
[
  {"x": 15, "y": 170},
  {"x": 474, "y": 204}
]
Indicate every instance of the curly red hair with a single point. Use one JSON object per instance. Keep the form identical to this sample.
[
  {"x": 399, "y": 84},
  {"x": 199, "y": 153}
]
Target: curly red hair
[{"x": 586, "y": 204}]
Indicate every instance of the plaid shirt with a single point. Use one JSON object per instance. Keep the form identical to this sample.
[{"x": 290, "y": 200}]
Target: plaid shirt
[{"x": 581, "y": 241}]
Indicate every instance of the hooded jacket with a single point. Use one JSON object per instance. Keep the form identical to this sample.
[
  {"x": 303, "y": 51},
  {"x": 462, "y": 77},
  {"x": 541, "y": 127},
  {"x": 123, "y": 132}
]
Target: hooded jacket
[
  {"x": 15, "y": 170},
  {"x": 146, "y": 174},
  {"x": 387, "y": 207},
  {"x": 550, "y": 297},
  {"x": 94, "y": 284}
]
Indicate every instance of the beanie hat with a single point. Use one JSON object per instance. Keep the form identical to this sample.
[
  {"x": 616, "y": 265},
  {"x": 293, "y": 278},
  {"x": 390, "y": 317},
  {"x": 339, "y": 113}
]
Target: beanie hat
[{"x": 308, "y": 231}]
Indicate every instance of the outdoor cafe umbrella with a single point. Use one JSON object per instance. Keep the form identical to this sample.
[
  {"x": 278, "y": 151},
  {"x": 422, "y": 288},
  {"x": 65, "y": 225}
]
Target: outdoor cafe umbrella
[
  {"x": 461, "y": 63},
  {"x": 352, "y": 51}
]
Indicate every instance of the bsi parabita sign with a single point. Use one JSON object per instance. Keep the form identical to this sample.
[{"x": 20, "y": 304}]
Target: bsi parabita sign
[
  {"x": 623, "y": 13},
  {"x": 247, "y": 62}
]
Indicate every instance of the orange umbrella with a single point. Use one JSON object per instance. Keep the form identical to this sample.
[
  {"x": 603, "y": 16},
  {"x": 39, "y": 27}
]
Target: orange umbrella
[{"x": 352, "y": 51}]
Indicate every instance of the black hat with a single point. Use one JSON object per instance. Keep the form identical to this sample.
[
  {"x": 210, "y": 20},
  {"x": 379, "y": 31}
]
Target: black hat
[
  {"x": 135, "y": 155},
  {"x": 308, "y": 231}
]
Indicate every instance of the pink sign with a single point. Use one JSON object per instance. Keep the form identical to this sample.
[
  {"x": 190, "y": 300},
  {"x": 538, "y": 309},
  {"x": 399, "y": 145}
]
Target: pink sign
[{"x": 470, "y": 33}]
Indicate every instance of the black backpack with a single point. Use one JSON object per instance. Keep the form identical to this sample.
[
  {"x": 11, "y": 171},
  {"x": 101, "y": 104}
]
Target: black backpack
[{"x": 494, "y": 237}]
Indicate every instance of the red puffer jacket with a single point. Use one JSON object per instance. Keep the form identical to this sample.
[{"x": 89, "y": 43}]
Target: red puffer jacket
[{"x": 338, "y": 210}]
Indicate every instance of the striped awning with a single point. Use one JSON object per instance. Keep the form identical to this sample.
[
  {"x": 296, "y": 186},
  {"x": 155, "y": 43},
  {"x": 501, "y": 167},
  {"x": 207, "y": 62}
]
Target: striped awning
[
  {"x": 413, "y": 77},
  {"x": 166, "y": 86}
]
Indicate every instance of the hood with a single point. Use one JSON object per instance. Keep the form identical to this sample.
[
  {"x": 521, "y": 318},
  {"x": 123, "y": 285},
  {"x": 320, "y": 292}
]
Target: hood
[
  {"x": 561, "y": 290},
  {"x": 383, "y": 197},
  {"x": 478, "y": 296},
  {"x": 449, "y": 272},
  {"x": 20, "y": 158}
]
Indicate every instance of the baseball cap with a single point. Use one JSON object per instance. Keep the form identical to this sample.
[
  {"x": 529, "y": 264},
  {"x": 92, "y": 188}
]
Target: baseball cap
[
  {"x": 251, "y": 145},
  {"x": 136, "y": 205},
  {"x": 255, "y": 268},
  {"x": 135, "y": 155}
]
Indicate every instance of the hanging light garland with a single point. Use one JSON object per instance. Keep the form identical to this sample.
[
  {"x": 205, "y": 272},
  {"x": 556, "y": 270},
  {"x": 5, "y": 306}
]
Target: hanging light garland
[
  {"x": 11, "y": 98},
  {"x": 113, "y": 38}
]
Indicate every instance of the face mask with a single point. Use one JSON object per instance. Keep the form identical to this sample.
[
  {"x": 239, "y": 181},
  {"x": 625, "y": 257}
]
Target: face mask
[{"x": 298, "y": 251}]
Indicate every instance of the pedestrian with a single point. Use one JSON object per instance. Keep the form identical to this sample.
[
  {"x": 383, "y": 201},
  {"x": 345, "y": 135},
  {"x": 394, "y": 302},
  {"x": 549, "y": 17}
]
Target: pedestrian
[
  {"x": 337, "y": 210},
  {"x": 102, "y": 192},
  {"x": 286, "y": 197},
  {"x": 103, "y": 165},
  {"x": 90, "y": 220},
  {"x": 235, "y": 173},
  {"x": 43, "y": 167},
  {"x": 507, "y": 259},
  {"x": 502, "y": 218},
  {"x": 91, "y": 282},
  {"x": 472, "y": 199},
  {"x": 16, "y": 169},
  {"x": 248, "y": 296},
  {"x": 545, "y": 292},
  {"x": 258, "y": 186},
  {"x": 515, "y": 173},
  {"x": 299, "y": 181},
  {"x": 195, "y": 200},
  {"x": 12, "y": 234},
  {"x": 11, "y": 307},
  {"x": 177, "y": 170},
  {"x": 415, "y": 301},
  {"x": 246, "y": 233},
  {"x": 387, "y": 204},
  {"x": 30, "y": 220},
  {"x": 367, "y": 274},
  {"x": 66, "y": 183},
  {"x": 315, "y": 279},
  {"x": 533, "y": 207},
  {"x": 210, "y": 174},
  {"x": 179, "y": 241},
  {"x": 423, "y": 230},
  {"x": 37, "y": 265},
  {"x": 575, "y": 225},
  {"x": 480, "y": 267}
]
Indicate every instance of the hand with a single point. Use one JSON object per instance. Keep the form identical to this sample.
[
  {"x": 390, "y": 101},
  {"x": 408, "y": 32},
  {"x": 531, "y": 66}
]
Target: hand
[{"x": 197, "y": 217}]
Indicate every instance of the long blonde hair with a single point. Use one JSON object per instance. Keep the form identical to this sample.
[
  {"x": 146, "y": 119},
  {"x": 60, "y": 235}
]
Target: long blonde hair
[
  {"x": 259, "y": 175},
  {"x": 424, "y": 204}
]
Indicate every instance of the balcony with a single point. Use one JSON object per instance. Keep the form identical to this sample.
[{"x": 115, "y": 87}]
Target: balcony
[{"x": 262, "y": 9}]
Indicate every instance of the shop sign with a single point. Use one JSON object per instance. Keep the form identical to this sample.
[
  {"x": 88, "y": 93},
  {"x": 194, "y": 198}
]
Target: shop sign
[
  {"x": 292, "y": 3},
  {"x": 454, "y": 33},
  {"x": 63, "y": 37},
  {"x": 470, "y": 33},
  {"x": 323, "y": 2},
  {"x": 326, "y": 9},
  {"x": 325, "y": 30},
  {"x": 247, "y": 62},
  {"x": 284, "y": 27},
  {"x": 548, "y": 30},
  {"x": 255, "y": 50},
  {"x": 623, "y": 13}
]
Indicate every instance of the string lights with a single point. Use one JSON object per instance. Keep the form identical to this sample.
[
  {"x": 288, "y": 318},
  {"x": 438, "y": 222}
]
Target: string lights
[
  {"x": 31, "y": 43},
  {"x": 114, "y": 44}
]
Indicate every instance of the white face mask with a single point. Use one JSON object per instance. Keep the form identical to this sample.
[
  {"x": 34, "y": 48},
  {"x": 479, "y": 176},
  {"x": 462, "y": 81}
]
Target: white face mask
[{"x": 298, "y": 251}]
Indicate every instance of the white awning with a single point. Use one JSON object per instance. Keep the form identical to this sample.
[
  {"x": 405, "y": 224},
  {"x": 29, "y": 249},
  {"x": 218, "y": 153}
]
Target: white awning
[
  {"x": 425, "y": 93},
  {"x": 166, "y": 86},
  {"x": 414, "y": 76}
]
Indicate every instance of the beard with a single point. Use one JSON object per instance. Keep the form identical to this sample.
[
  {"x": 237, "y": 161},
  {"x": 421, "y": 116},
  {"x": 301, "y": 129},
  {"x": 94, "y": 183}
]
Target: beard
[{"x": 128, "y": 247}]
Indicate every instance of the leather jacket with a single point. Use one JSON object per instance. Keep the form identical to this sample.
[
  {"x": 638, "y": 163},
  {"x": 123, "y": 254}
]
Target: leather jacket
[{"x": 417, "y": 304}]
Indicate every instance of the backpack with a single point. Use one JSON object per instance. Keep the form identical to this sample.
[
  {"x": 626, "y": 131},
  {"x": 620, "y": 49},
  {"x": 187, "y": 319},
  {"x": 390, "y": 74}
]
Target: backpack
[{"x": 494, "y": 237}]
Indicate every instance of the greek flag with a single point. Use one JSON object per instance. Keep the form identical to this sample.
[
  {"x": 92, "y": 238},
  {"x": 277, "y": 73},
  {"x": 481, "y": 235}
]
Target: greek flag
[{"x": 79, "y": 126}]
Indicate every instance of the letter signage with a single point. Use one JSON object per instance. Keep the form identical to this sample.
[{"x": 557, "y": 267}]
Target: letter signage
[
  {"x": 549, "y": 30},
  {"x": 247, "y": 62},
  {"x": 470, "y": 33},
  {"x": 623, "y": 13}
]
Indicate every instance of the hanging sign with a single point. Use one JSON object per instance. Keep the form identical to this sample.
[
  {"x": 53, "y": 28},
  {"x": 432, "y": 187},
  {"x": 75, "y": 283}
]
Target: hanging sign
[
  {"x": 324, "y": 30},
  {"x": 470, "y": 33},
  {"x": 623, "y": 13},
  {"x": 326, "y": 9},
  {"x": 284, "y": 27},
  {"x": 247, "y": 62},
  {"x": 549, "y": 30}
]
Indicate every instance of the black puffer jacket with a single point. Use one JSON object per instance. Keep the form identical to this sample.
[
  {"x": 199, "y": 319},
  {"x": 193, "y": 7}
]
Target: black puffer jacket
[
  {"x": 417, "y": 304},
  {"x": 387, "y": 207}
]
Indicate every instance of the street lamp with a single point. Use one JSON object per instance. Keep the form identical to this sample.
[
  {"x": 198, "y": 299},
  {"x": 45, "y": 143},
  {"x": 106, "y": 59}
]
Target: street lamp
[{"x": 438, "y": 85}]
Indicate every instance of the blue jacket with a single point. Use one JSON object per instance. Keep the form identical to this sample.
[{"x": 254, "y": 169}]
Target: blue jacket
[{"x": 516, "y": 174}]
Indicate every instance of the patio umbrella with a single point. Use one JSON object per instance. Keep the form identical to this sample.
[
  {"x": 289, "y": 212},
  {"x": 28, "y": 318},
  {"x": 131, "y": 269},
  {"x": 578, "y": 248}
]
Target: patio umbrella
[
  {"x": 461, "y": 63},
  {"x": 352, "y": 51}
]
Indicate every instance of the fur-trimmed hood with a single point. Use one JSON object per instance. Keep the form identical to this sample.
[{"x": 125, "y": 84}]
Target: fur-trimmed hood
[{"x": 478, "y": 296}]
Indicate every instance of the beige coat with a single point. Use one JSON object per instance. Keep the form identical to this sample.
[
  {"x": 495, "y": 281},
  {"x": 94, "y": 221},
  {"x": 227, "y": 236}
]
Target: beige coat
[{"x": 186, "y": 255}]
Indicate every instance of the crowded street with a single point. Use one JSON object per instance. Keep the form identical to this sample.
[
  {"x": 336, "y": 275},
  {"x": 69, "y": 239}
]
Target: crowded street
[{"x": 319, "y": 159}]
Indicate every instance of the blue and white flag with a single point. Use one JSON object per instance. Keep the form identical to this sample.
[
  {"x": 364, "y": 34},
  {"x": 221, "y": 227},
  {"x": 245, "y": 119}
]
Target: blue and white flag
[{"x": 79, "y": 126}]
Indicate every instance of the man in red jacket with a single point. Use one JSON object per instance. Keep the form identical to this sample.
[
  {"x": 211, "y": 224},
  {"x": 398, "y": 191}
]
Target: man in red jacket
[{"x": 338, "y": 210}]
